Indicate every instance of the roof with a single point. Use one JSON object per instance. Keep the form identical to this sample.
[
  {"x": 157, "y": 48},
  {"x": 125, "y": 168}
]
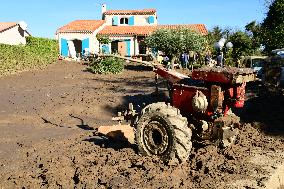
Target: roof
[
  {"x": 147, "y": 30},
  {"x": 127, "y": 30},
  {"x": 201, "y": 28},
  {"x": 7, "y": 25},
  {"x": 131, "y": 12},
  {"x": 81, "y": 25}
]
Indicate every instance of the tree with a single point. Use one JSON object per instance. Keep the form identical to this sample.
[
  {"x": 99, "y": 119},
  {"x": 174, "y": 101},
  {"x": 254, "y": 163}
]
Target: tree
[
  {"x": 173, "y": 42},
  {"x": 243, "y": 44},
  {"x": 255, "y": 31},
  {"x": 273, "y": 26},
  {"x": 103, "y": 39}
]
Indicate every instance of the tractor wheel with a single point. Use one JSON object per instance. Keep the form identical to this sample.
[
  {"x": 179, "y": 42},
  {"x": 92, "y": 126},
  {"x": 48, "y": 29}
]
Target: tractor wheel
[{"x": 162, "y": 131}]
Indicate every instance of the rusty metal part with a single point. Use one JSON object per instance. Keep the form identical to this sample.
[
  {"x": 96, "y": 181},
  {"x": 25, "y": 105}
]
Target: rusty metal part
[
  {"x": 199, "y": 102},
  {"x": 217, "y": 98},
  {"x": 228, "y": 75},
  {"x": 127, "y": 115}
]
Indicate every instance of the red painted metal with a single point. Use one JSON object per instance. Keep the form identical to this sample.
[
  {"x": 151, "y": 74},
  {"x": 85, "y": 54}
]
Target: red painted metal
[
  {"x": 182, "y": 98},
  {"x": 229, "y": 93},
  {"x": 170, "y": 75}
]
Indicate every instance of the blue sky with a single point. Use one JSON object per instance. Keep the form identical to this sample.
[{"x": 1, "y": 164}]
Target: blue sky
[{"x": 45, "y": 16}]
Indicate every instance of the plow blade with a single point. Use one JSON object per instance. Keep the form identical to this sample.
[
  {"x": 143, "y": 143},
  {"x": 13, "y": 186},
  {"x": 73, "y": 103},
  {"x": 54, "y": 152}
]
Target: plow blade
[{"x": 118, "y": 132}]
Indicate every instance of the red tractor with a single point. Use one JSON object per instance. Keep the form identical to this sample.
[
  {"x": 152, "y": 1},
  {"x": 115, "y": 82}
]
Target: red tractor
[{"x": 199, "y": 110}]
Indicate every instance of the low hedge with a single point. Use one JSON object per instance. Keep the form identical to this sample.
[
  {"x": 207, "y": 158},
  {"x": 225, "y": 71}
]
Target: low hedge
[
  {"x": 37, "y": 53},
  {"x": 107, "y": 65}
]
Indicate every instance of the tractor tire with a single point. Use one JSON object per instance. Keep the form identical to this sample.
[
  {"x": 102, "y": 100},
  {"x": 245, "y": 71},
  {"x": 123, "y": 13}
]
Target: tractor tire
[{"x": 162, "y": 131}]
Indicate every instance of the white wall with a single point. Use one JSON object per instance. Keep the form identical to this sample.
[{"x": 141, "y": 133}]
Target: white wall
[
  {"x": 139, "y": 20},
  {"x": 94, "y": 45},
  {"x": 79, "y": 36},
  {"x": 13, "y": 36}
]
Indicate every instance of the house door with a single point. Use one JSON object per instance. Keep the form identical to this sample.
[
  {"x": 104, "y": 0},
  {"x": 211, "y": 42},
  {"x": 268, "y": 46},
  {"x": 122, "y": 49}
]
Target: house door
[{"x": 122, "y": 48}]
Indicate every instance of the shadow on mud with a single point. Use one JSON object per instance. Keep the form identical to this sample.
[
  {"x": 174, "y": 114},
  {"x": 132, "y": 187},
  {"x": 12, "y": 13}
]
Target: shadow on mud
[
  {"x": 82, "y": 125},
  {"x": 137, "y": 67},
  {"x": 105, "y": 142},
  {"x": 139, "y": 101},
  {"x": 265, "y": 113}
]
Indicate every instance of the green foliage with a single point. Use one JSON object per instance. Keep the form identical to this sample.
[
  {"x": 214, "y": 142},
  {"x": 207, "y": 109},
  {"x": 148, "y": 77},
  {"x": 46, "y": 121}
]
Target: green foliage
[
  {"x": 244, "y": 42},
  {"x": 273, "y": 26},
  {"x": 103, "y": 39},
  {"x": 215, "y": 35},
  {"x": 176, "y": 41},
  {"x": 243, "y": 45},
  {"x": 108, "y": 65},
  {"x": 38, "y": 52}
]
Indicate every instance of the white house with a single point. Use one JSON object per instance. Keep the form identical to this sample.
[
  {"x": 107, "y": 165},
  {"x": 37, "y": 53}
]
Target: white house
[
  {"x": 13, "y": 33},
  {"x": 126, "y": 30}
]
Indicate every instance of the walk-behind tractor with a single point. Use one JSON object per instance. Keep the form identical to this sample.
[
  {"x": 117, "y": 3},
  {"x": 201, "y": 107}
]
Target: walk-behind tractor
[{"x": 199, "y": 111}]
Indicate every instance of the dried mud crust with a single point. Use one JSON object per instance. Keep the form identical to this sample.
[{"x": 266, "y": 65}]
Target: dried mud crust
[{"x": 63, "y": 149}]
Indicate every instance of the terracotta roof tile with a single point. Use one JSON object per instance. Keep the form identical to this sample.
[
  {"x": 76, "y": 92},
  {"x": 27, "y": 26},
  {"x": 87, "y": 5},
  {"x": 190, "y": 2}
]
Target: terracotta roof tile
[
  {"x": 6, "y": 25},
  {"x": 81, "y": 25},
  {"x": 147, "y": 30},
  {"x": 127, "y": 30},
  {"x": 131, "y": 12},
  {"x": 196, "y": 27}
]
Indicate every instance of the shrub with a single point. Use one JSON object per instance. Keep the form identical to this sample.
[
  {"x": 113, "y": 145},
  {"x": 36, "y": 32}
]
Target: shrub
[
  {"x": 107, "y": 65},
  {"x": 37, "y": 53}
]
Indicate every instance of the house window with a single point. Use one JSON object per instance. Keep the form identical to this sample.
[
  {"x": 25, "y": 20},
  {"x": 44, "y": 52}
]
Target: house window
[{"x": 124, "y": 21}]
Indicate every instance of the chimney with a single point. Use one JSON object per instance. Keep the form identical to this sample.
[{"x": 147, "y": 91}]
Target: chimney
[{"x": 104, "y": 8}]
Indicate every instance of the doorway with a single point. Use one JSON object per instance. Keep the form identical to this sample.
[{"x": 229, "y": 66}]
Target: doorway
[
  {"x": 78, "y": 46},
  {"x": 114, "y": 47}
]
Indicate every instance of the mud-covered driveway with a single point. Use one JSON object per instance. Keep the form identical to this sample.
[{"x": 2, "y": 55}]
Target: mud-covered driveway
[{"x": 47, "y": 136}]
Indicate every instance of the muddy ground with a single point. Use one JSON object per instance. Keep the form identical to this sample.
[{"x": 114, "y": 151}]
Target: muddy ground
[{"x": 48, "y": 122}]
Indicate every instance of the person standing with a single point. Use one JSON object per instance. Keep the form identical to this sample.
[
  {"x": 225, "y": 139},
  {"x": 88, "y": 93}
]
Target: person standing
[
  {"x": 208, "y": 58},
  {"x": 220, "y": 60},
  {"x": 185, "y": 60}
]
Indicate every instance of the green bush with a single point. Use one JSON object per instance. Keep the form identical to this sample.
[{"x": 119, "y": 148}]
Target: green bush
[
  {"x": 37, "y": 53},
  {"x": 108, "y": 65}
]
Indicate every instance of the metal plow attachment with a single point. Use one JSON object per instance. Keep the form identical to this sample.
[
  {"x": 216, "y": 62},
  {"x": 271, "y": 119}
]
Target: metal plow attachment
[{"x": 118, "y": 132}]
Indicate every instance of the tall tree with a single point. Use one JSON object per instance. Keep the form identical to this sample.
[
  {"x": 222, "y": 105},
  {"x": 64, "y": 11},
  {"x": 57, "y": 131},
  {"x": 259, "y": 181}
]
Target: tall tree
[
  {"x": 273, "y": 26},
  {"x": 173, "y": 42}
]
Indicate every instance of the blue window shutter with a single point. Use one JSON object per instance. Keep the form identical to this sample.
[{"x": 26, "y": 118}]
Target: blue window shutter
[
  {"x": 105, "y": 49},
  {"x": 115, "y": 21},
  {"x": 131, "y": 21},
  {"x": 85, "y": 44},
  {"x": 151, "y": 20},
  {"x": 128, "y": 47},
  {"x": 64, "y": 47}
]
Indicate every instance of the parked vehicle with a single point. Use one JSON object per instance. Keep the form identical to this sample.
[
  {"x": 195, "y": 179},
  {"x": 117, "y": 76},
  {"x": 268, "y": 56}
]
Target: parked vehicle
[
  {"x": 257, "y": 63},
  {"x": 274, "y": 71}
]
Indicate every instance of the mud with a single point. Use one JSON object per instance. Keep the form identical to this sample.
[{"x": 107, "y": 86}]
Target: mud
[{"x": 48, "y": 138}]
